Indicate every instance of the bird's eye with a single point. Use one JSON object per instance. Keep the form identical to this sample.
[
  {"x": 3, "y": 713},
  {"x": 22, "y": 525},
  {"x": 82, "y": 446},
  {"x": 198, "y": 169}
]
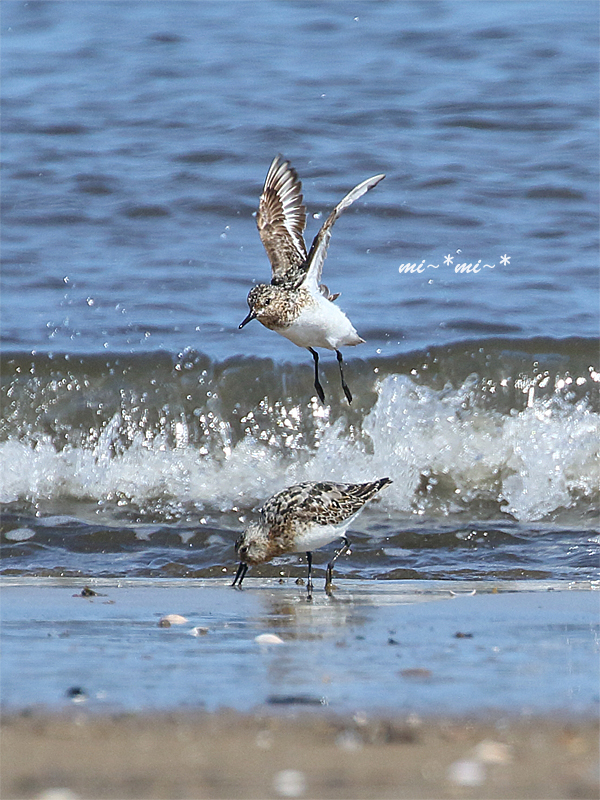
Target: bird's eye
[
  {"x": 267, "y": 301},
  {"x": 243, "y": 550}
]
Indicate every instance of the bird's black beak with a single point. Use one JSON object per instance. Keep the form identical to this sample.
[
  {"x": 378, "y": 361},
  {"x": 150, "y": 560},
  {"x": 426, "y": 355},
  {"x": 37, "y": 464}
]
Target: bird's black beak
[{"x": 248, "y": 319}]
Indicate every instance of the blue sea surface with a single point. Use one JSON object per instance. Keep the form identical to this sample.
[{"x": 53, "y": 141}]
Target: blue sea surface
[{"x": 136, "y": 138}]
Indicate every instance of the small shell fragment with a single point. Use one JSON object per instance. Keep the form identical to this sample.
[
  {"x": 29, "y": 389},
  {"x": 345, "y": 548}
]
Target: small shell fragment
[
  {"x": 268, "y": 638},
  {"x": 466, "y": 773},
  {"x": 490, "y": 752},
  {"x": 289, "y": 782},
  {"x": 416, "y": 673},
  {"x": 171, "y": 619},
  {"x": 76, "y": 694}
]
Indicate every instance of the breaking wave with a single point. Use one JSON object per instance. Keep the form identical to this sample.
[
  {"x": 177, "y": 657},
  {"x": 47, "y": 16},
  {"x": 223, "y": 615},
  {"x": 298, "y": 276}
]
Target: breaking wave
[{"x": 482, "y": 428}]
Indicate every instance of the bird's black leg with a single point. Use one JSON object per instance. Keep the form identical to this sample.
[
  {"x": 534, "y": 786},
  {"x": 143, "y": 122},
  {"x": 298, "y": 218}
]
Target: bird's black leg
[
  {"x": 347, "y": 391},
  {"x": 329, "y": 574},
  {"x": 318, "y": 386},
  {"x": 309, "y": 583},
  {"x": 239, "y": 575}
]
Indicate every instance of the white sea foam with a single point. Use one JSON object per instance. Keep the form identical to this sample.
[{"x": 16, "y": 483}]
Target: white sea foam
[
  {"x": 442, "y": 451},
  {"x": 19, "y": 534},
  {"x": 532, "y": 462}
]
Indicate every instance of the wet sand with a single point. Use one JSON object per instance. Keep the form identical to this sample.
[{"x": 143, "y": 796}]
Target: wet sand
[
  {"x": 313, "y": 755},
  {"x": 386, "y": 647}
]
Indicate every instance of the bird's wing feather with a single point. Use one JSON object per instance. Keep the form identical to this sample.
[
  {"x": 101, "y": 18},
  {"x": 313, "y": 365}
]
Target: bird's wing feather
[
  {"x": 281, "y": 220},
  {"x": 320, "y": 503},
  {"x": 318, "y": 250}
]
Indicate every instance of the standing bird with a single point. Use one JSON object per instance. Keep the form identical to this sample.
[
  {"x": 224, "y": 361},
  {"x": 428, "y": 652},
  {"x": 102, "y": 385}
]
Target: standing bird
[
  {"x": 303, "y": 518},
  {"x": 295, "y": 304}
]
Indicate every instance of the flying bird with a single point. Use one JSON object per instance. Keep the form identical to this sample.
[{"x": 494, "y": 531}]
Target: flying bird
[{"x": 295, "y": 304}]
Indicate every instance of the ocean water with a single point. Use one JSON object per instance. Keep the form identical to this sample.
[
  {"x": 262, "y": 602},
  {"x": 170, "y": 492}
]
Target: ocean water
[{"x": 140, "y": 428}]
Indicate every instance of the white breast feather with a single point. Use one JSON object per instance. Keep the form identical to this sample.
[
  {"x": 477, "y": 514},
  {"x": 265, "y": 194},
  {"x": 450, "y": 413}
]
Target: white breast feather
[{"x": 321, "y": 324}]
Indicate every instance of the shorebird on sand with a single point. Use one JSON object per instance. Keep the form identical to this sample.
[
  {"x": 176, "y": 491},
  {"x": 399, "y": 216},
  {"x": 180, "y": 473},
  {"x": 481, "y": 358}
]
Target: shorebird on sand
[{"x": 303, "y": 518}]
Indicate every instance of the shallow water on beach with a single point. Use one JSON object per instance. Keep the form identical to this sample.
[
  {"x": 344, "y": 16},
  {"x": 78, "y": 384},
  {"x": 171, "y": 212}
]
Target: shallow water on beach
[{"x": 397, "y": 647}]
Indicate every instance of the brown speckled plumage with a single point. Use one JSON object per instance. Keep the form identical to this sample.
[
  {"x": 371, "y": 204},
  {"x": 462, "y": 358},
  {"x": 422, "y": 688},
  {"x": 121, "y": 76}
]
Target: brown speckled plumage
[
  {"x": 277, "y": 308},
  {"x": 304, "y": 517},
  {"x": 281, "y": 220},
  {"x": 320, "y": 503},
  {"x": 295, "y": 304}
]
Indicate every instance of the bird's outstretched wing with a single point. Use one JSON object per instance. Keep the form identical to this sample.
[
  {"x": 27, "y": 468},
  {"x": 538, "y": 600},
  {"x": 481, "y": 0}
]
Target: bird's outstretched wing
[
  {"x": 281, "y": 220},
  {"x": 318, "y": 250}
]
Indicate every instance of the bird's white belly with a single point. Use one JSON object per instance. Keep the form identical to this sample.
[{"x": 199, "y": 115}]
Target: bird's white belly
[
  {"x": 321, "y": 324},
  {"x": 317, "y": 536}
]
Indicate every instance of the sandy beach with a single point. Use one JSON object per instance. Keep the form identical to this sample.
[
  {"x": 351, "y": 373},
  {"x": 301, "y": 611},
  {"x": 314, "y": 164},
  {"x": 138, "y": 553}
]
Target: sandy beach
[{"x": 315, "y": 755}]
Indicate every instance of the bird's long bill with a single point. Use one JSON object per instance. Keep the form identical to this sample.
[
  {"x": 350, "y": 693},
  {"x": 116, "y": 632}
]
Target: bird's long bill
[
  {"x": 248, "y": 319},
  {"x": 239, "y": 575}
]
